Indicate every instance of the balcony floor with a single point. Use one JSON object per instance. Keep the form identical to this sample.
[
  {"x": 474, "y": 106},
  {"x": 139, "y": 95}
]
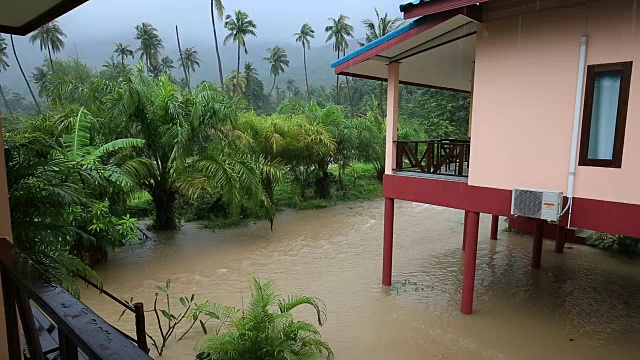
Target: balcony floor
[{"x": 441, "y": 176}]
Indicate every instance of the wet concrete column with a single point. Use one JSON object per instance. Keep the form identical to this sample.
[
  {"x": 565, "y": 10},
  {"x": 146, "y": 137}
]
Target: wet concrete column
[
  {"x": 387, "y": 249},
  {"x": 495, "y": 220},
  {"x": 561, "y": 237},
  {"x": 536, "y": 253},
  {"x": 469, "y": 269},
  {"x": 464, "y": 231}
]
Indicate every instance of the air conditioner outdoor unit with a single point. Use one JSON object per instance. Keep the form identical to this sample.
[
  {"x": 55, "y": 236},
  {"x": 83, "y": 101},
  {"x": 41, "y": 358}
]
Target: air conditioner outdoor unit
[{"x": 537, "y": 204}]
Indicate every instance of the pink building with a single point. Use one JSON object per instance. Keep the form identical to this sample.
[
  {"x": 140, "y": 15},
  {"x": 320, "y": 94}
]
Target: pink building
[{"x": 555, "y": 108}]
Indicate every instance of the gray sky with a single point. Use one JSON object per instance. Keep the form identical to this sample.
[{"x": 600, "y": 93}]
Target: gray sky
[{"x": 276, "y": 20}]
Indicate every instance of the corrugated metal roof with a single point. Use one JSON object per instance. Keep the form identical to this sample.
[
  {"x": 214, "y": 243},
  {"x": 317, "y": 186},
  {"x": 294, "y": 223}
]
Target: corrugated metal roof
[
  {"x": 380, "y": 41},
  {"x": 404, "y": 6}
]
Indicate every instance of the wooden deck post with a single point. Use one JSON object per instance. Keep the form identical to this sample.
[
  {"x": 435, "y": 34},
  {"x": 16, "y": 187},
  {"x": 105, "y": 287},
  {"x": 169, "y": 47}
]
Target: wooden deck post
[
  {"x": 141, "y": 327},
  {"x": 393, "y": 99},
  {"x": 5, "y": 231},
  {"x": 561, "y": 237},
  {"x": 536, "y": 253},
  {"x": 387, "y": 250},
  {"x": 495, "y": 222},
  {"x": 469, "y": 268}
]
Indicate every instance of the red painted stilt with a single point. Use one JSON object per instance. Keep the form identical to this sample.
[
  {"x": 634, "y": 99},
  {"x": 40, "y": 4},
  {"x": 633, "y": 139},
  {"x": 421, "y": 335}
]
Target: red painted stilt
[
  {"x": 495, "y": 220},
  {"x": 561, "y": 237},
  {"x": 536, "y": 254},
  {"x": 464, "y": 231},
  {"x": 387, "y": 250},
  {"x": 469, "y": 269}
]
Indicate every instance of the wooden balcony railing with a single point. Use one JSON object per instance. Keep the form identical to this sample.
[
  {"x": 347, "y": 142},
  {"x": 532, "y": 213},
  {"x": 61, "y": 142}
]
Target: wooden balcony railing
[
  {"x": 81, "y": 333},
  {"x": 443, "y": 157}
]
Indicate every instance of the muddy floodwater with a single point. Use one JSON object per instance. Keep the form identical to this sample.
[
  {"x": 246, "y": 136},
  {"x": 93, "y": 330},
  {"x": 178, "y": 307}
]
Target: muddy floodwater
[{"x": 584, "y": 304}]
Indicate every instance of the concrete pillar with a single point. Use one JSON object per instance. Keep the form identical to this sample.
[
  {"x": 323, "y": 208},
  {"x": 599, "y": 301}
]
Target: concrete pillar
[
  {"x": 387, "y": 249},
  {"x": 536, "y": 253},
  {"x": 5, "y": 231},
  {"x": 495, "y": 222},
  {"x": 464, "y": 231},
  {"x": 561, "y": 237},
  {"x": 393, "y": 98},
  {"x": 469, "y": 268}
]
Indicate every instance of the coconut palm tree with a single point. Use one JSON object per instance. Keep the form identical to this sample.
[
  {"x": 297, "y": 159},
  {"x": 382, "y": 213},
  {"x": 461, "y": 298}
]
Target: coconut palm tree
[
  {"x": 236, "y": 84},
  {"x": 217, "y": 8},
  {"x": 381, "y": 26},
  {"x": 377, "y": 29},
  {"x": 338, "y": 32},
  {"x": 150, "y": 43},
  {"x": 291, "y": 88},
  {"x": 278, "y": 60},
  {"x": 189, "y": 60},
  {"x": 239, "y": 26},
  {"x": 166, "y": 65},
  {"x": 49, "y": 37},
  {"x": 4, "y": 65},
  {"x": 24, "y": 76},
  {"x": 266, "y": 328},
  {"x": 304, "y": 37},
  {"x": 123, "y": 52}
]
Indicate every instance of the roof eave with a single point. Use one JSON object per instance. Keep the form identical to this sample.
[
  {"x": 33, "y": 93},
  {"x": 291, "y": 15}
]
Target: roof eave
[
  {"x": 420, "y": 8},
  {"x": 46, "y": 17}
]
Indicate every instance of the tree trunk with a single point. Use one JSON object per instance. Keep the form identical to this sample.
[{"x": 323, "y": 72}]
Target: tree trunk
[
  {"x": 33, "y": 96},
  {"x": 6, "y": 103},
  {"x": 164, "y": 201},
  {"x": 272, "y": 86},
  {"x": 306, "y": 77},
  {"x": 184, "y": 66},
  {"x": 215, "y": 40},
  {"x": 238, "y": 67},
  {"x": 323, "y": 185},
  {"x": 50, "y": 59},
  {"x": 337, "y": 83}
]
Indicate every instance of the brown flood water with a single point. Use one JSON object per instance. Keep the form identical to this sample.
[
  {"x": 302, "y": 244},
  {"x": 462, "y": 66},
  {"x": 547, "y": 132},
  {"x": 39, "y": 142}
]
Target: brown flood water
[{"x": 584, "y": 304}]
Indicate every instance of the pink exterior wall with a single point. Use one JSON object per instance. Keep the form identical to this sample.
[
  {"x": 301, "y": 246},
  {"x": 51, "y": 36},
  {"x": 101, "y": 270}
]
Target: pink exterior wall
[{"x": 524, "y": 95}]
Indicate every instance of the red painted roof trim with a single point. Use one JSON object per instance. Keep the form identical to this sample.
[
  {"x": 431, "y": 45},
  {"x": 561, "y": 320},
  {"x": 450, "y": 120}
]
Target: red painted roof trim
[
  {"x": 436, "y": 7},
  {"x": 432, "y": 22}
]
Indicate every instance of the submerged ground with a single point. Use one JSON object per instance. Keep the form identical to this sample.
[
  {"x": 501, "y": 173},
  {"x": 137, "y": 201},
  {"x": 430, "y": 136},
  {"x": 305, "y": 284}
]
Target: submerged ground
[{"x": 584, "y": 304}]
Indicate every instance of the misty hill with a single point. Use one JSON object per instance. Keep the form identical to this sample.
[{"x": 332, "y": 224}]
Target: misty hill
[{"x": 96, "y": 52}]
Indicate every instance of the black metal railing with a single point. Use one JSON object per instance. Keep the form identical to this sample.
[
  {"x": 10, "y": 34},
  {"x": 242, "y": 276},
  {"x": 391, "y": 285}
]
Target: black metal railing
[
  {"x": 443, "y": 157},
  {"x": 81, "y": 332}
]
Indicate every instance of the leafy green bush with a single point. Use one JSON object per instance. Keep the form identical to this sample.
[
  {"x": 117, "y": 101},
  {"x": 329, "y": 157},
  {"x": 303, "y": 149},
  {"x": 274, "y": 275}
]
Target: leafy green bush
[
  {"x": 265, "y": 329},
  {"x": 625, "y": 245}
]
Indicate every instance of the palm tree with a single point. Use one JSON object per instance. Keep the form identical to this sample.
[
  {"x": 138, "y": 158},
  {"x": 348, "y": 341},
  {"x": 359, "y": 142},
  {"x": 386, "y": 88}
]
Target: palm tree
[
  {"x": 166, "y": 65},
  {"x": 4, "y": 65},
  {"x": 40, "y": 76},
  {"x": 278, "y": 60},
  {"x": 123, "y": 52},
  {"x": 150, "y": 43},
  {"x": 49, "y": 37},
  {"x": 377, "y": 29},
  {"x": 15, "y": 54},
  {"x": 189, "y": 60},
  {"x": 266, "y": 329},
  {"x": 338, "y": 32},
  {"x": 217, "y": 8},
  {"x": 239, "y": 26},
  {"x": 236, "y": 84},
  {"x": 291, "y": 87},
  {"x": 304, "y": 37},
  {"x": 182, "y": 153}
]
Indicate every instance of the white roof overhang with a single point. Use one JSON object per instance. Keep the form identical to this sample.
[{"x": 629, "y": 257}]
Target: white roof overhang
[
  {"x": 435, "y": 51},
  {"x": 20, "y": 17}
]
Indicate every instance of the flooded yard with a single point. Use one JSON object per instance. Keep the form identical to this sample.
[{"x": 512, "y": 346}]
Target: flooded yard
[{"x": 584, "y": 304}]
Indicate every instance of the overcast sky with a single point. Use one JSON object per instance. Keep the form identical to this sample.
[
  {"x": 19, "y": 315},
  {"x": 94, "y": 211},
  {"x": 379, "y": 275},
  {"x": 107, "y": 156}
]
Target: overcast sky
[{"x": 277, "y": 20}]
